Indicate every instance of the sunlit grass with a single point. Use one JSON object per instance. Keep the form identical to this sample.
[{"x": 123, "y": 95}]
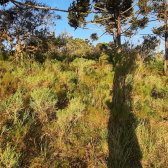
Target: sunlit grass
[{"x": 57, "y": 116}]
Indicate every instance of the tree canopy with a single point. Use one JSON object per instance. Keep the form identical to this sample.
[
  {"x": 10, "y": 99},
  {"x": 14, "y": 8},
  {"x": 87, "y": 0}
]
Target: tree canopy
[
  {"x": 19, "y": 24},
  {"x": 117, "y": 17}
]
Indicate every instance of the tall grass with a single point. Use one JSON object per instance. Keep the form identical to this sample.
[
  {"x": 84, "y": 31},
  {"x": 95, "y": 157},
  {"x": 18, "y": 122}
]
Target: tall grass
[{"x": 56, "y": 115}]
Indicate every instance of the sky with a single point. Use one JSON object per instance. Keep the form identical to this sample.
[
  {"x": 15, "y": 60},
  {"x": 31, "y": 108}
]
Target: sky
[{"x": 62, "y": 25}]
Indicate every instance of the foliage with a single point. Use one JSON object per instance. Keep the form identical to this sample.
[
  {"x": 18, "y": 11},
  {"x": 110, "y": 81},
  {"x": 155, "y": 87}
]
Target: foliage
[
  {"x": 20, "y": 24},
  {"x": 43, "y": 102},
  {"x": 104, "y": 110},
  {"x": 113, "y": 15}
]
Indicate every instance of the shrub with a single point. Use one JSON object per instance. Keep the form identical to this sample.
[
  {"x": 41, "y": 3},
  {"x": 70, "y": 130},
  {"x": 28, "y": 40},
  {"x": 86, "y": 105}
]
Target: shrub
[
  {"x": 14, "y": 104},
  {"x": 9, "y": 157},
  {"x": 43, "y": 101},
  {"x": 10, "y": 84},
  {"x": 74, "y": 112}
]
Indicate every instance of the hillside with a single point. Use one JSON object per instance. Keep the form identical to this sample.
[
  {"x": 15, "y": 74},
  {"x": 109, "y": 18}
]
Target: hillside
[{"x": 107, "y": 111}]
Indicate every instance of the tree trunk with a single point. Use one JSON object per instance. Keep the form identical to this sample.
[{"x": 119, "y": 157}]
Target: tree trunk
[
  {"x": 166, "y": 38},
  {"x": 119, "y": 31},
  {"x": 21, "y": 57}
]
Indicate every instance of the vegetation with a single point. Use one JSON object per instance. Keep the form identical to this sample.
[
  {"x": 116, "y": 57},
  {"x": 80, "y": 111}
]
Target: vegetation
[
  {"x": 69, "y": 103},
  {"x": 69, "y": 114}
]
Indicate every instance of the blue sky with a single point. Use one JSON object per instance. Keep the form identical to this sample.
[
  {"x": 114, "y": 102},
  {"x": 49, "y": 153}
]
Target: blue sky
[{"x": 62, "y": 25}]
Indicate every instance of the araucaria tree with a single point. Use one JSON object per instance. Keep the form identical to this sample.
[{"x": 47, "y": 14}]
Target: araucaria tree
[
  {"x": 117, "y": 16},
  {"x": 113, "y": 16},
  {"x": 160, "y": 10},
  {"x": 156, "y": 10},
  {"x": 20, "y": 22}
]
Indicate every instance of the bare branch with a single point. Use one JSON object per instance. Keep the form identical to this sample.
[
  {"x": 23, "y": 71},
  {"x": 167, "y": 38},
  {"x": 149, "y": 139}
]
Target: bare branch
[
  {"x": 98, "y": 7},
  {"x": 103, "y": 34},
  {"x": 95, "y": 29},
  {"x": 130, "y": 16},
  {"x": 39, "y": 7},
  {"x": 129, "y": 8},
  {"x": 8, "y": 39}
]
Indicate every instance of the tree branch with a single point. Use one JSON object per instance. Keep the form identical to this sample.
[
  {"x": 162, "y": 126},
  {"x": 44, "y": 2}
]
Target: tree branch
[
  {"x": 95, "y": 29},
  {"x": 129, "y": 8},
  {"x": 8, "y": 39},
  {"x": 39, "y": 7},
  {"x": 102, "y": 34},
  {"x": 98, "y": 7},
  {"x": 103, "y": 19}
]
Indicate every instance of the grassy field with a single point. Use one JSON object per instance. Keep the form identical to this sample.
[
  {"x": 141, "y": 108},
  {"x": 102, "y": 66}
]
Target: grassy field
[{"x": 84, "y": 113}]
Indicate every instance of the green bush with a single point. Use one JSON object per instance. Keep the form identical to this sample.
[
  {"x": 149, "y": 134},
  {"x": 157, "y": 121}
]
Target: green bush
[
  {"x": 43, "y": 101},
  {"x": 156, "y": 66}
]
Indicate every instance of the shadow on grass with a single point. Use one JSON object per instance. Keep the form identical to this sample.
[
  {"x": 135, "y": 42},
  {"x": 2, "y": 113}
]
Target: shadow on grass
[{"x": 124, "y": 150}]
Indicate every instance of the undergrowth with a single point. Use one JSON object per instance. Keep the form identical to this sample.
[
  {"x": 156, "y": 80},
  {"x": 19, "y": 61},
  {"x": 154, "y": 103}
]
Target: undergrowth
[{"x": 54, "y": 115}]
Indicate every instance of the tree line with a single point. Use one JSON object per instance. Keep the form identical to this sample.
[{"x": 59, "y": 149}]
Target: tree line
[{"x": 118, "y": 18}]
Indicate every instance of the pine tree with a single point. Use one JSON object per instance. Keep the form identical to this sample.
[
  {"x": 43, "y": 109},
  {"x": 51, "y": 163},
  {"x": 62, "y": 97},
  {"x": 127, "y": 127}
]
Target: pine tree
[
  {"x": 157, "y": 9},
  {"x": 160, "y": 8},
  {"x": 18, "y": 24},
  {"x": 117, "y": 16}
]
